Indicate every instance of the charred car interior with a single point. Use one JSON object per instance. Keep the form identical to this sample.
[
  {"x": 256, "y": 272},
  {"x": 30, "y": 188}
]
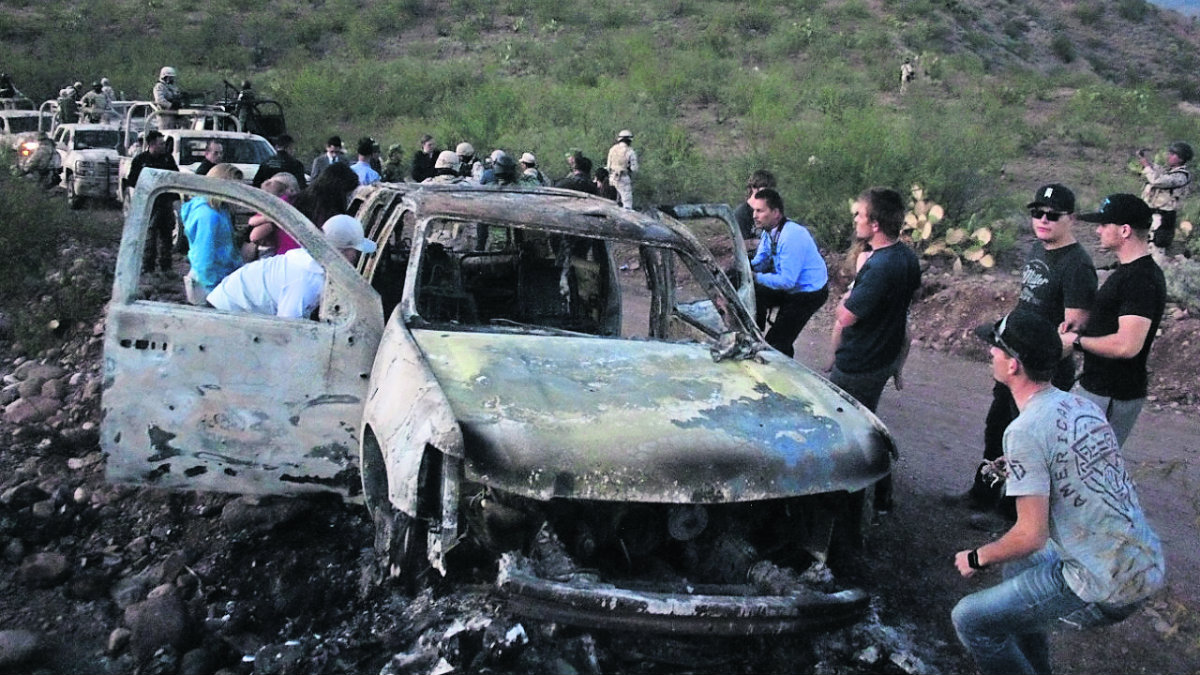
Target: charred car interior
[{"x": 568, "y": 395}]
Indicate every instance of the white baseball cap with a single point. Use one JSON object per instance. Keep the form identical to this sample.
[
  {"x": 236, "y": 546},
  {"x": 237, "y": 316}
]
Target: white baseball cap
[{"x": 342, "y": 231}]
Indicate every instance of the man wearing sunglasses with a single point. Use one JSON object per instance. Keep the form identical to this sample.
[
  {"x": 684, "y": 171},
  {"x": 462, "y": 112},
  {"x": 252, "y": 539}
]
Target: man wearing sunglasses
[
  {"x": 1058, "y": 282},
  {"x": 1081, "y": 551},
  {"x": 1128, "y": 309}
]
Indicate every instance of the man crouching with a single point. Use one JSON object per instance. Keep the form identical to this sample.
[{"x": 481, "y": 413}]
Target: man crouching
[{"x": 1063, "y": 465}]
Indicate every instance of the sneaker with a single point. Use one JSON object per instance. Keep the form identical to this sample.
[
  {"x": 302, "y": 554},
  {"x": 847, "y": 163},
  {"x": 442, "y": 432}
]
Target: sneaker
[{"x": 990, "y": 522}]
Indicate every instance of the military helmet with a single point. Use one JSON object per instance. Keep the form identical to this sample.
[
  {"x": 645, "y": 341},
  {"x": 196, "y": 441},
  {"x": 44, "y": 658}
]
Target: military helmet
[
  {"x": 446, "y": 160},
  {"x": 167, "y": 71},
  {"x": 96, "y": 86},
  {"x": 78, "y": 85},
  {"x": 465, "y": 149},
  {"x": 104, "y": 81},
  {"x": 1182, "y": 149},
  {"x": 623, "y": 134}
]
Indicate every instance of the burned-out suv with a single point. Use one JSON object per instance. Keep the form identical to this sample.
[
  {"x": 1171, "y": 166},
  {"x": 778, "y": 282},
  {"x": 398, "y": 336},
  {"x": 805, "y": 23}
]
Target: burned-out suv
[{"x": 570, "y": 394}]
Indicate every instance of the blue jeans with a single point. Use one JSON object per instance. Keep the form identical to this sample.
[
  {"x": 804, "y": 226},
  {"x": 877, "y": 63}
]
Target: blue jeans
[{"x": 1004, "y": 627}]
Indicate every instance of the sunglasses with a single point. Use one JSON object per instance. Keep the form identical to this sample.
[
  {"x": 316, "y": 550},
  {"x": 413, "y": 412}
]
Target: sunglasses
[
  {"x": 1038, "y": 214},
  {"x": 998, "y": 333}
]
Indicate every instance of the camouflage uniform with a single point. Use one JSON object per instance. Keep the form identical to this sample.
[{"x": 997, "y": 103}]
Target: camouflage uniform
[
  {"x": 622, "y": 164},
  {"x": 1165, "y": 189},
  {"x": 68, "y": 110},
  {"x": 95, "y": 104},
  {"x": 168, "y": 99},
  {"x": 41, "y": 162}
]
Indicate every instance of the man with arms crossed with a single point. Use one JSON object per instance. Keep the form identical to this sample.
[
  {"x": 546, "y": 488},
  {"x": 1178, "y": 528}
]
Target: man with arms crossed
[
  {"x": 1128, "y": 308},
  {"x": 1081, "y": 550}
]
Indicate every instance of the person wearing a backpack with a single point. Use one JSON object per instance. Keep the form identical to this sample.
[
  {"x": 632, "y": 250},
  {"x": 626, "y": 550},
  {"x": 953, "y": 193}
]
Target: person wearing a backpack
[{"x": 1166, "y": 186}]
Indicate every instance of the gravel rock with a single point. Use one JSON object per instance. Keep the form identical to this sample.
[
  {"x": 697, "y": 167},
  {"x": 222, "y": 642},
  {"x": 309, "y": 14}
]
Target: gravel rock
[{"x": 16, "y": 647}]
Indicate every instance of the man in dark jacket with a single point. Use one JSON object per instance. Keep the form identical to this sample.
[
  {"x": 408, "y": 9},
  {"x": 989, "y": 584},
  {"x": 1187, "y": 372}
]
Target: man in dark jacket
[
  {"x": 162, "y": 214},
  {"x": 282, "y": 162},
  {"x": 580, "y": 179}
]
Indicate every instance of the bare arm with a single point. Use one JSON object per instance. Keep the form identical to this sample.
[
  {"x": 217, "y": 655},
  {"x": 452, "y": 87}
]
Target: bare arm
[
  {"x": 1132, "y": 331},
  {"x": 1028, "y": 536}
]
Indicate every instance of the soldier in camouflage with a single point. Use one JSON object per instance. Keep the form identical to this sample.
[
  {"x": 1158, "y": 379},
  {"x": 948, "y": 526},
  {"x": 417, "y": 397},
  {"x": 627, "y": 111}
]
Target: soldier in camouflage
[{"x": 622, "y": 164}]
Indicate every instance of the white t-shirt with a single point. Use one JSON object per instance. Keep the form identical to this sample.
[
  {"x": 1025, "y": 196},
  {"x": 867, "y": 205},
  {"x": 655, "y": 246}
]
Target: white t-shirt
[{"x": 287, "y": 285}]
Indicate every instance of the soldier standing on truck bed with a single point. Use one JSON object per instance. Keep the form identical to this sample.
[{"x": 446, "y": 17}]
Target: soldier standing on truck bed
[
  {"x": 95, "y": 103},
  {"x": 622, "y": 164},
  {"x": 168, "y": 99}
]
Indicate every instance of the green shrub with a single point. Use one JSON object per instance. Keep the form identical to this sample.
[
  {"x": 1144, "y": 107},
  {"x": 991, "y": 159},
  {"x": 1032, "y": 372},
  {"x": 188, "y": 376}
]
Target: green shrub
[
  {"x": 1132, "y": 10},
  {"x": 1063, "y": 48},
  {"x": 1089, "y": 13},
  {"x": 35, "y": 286}
]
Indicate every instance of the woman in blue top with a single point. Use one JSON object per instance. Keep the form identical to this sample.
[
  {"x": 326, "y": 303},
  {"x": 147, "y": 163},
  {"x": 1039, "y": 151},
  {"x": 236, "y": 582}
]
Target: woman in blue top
[{"x": 208, "y": 225}]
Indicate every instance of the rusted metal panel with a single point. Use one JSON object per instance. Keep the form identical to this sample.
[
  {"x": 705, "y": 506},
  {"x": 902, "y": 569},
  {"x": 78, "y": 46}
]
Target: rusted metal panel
[
  {"x": 201, "y": 399},
  {"x": 594, "y": 418}
]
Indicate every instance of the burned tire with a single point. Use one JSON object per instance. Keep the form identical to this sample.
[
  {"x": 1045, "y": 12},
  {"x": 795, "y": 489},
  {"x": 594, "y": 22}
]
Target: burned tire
[{"x": 400, "y": 539}]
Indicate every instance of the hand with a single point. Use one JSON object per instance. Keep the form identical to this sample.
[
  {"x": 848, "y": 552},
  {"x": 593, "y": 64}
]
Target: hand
[
  {"x": 1068, "y": 341},
  {"x": 964, "y": 567}
]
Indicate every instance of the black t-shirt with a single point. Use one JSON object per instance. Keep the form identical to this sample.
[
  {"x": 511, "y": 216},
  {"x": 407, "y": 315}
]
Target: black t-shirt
[
  {"x": 1055, "y": 279},
  {"x": 883, "y": 290},
  {"x": 1134, "y": 289}
]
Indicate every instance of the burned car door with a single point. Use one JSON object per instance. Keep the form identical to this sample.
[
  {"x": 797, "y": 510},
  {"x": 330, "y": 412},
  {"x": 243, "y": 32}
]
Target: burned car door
[
  {"x": 203, "y": 399},
  {"x": 714, "y": 225}
]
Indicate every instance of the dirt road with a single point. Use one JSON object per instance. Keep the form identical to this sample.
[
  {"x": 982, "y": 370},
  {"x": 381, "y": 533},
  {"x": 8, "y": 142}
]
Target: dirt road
[{"x": 938, "y": 421}]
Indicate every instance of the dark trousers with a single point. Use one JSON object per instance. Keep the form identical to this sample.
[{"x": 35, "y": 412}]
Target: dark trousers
[
  {"x": 867, "y": 388},
  {"x": 1165, "y": 234},
  {"x": 795, "y": 309},
  {"x": 159, "y": 238}
]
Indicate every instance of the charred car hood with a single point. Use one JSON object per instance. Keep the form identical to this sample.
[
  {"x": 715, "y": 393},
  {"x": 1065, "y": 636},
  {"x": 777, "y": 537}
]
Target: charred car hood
[{"x": 607, "y": 419}]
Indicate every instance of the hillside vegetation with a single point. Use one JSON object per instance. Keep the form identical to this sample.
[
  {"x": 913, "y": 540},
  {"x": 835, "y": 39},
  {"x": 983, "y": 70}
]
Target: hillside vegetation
[{"x": 1009, "y": 94}]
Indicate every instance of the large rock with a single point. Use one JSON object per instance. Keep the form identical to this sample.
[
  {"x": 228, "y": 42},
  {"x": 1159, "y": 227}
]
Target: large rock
[
  {"x": 17, "y": 647},
  {"x": 44, "y": 570},
  {"x": 26, "y": 410},
  {"x": 156, "y": 622},
  {"x": 254, "y": 516},
  {"x": 29, "y": 370}
]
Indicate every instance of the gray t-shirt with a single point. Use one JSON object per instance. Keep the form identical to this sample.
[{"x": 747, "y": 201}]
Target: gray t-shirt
[{"x": 1060, "y": 446}]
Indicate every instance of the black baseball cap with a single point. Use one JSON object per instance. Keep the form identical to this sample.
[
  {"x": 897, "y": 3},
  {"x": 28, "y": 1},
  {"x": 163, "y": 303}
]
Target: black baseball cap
[
  {"x": 1121, "y": 209},
  {"x": 1056, "y": 196},
  {"x": 1027, "y": 336}
]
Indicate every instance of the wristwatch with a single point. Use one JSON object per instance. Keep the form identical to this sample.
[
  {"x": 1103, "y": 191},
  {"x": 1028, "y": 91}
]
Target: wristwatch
[
  {"x": 973, "y": 560},
  {"x": 1077, "y": 345}
]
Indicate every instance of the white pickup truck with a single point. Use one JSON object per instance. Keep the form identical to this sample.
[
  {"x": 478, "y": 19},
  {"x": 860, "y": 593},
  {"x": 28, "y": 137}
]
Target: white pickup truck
[{"x": 89, "y": 159}]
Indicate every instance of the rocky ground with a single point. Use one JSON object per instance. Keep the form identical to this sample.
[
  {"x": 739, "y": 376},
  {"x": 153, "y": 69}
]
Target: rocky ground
[{"x": 102, "y": 578}]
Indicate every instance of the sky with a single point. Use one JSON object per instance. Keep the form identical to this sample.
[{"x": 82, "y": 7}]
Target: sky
[{"x": 1189, "y": 7}]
